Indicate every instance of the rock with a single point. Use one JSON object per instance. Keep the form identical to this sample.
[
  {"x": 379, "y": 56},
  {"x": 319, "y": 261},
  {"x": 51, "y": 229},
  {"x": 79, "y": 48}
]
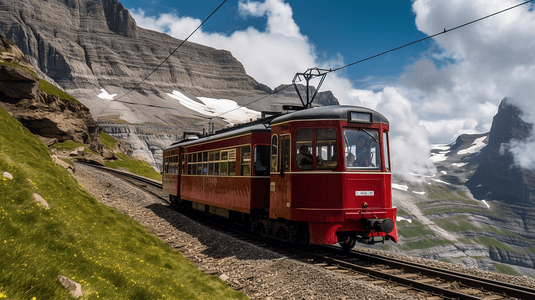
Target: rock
[
  {"x": 17, "y": 83},
  {"x": 37, "y": 198},
  {"x": 74, "y": 288},
  {"x": 47, "y": 116},
  {"x": 108, "y": 154},
  {"x": 47, "y": 141},
  {"x": 7, "y": 175},
  {"x": 86, "y": 46},
  {"x": 497, "y": 177},
  {"x": 224, "y": 277},
  {"x": 64, "y": 164}
]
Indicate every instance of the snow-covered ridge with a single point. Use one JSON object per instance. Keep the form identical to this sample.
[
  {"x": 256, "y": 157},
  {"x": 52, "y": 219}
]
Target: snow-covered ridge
[
  {"x": 441, "y": 154},
  {"x": 224, "y": 108},
  {"x": 476, "y": 146}
]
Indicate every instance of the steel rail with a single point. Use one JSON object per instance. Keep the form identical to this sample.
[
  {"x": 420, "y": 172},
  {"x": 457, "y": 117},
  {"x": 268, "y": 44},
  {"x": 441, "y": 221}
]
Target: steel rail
[
  {"x": 508, "y": 289},
  {"x": 503, "y": 288}
]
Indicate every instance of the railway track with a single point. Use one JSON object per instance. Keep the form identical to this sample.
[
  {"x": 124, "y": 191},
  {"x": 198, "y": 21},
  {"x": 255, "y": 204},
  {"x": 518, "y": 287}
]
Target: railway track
[{"x": 419, "y": 280}]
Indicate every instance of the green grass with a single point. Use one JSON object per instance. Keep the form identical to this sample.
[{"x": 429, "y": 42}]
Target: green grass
[
  {"x": 51, "y": 89},
  {"x": 456, "y": 225},
  {"x": 3, "y": 62},
  {"x": 460, "y": 223},
  {"x": 135, "y": 166},
  {"x": 505, "y": 269},
  {"x": 109, "y": 254},
  {"x": 44, "y": 85},
  {"x": 414, "y": 231},
  {"x": 71, "y": 145},
  {"x": 424, "y": 244},
  {"x": 487, "y": 241},
  {"x": 443, "y": 193},
  {"x": 466, "y": 241},
  {"x": 401, "y": 212},
  {"x": 108, "y": 140}
]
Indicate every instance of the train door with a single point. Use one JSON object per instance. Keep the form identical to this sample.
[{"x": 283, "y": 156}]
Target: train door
[{"x": 280, "y": 187}]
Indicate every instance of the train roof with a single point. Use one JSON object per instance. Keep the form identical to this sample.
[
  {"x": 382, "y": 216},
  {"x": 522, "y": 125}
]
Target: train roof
[
  {"x": 227, "y": 134},
  {"x": 334, "y": 112}
]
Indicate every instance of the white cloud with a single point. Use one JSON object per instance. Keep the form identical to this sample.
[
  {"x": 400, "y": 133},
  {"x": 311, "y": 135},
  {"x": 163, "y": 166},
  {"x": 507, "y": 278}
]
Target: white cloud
[
  {"x": 410, "y": 149},
  {"x": 454, "y": 88},
  {"x": 281, "y": 44},
  {"x": 481, "y": 64}
]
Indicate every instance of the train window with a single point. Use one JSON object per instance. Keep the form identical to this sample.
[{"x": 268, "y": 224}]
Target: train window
[
  {"x": 224, "y": 168},
  {"x": 303, "y": 158},
  {"x": 205, "y": 169},
  {"x": 246, "y": 160},
  {"x": 261, "y": 160},
  {"x": 211, "y": 156},
  {"x": 224, "y": 155},
  {"x": 326, "y": 155},
  {"x": 274, "y": 151},
  {"x": 205, "y": 156},
  {"x": 199, "y": 157},
  {"x": 164, "y": 167},
  {"x": 216, "y": 169},
  {"x": 385, "y": 150},
  {"x": 285, "y": 159},
  {"x": 184, "y": 168},
  {"x": 194, "y": 157},
  {"x": 232, "y": 168},
  {"x": 211, "y": 168},
  {"x": 199, "y": 169},
  {"x": 232, "y": 155},
  {"x": 362, "y": 148}
]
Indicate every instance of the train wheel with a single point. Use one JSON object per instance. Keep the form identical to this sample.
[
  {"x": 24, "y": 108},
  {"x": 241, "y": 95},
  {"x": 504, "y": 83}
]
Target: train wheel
[
  {"x": 303, "y": 239},
  {"x": 348, "y": 244},
  {"x": 260, "y": 229}
]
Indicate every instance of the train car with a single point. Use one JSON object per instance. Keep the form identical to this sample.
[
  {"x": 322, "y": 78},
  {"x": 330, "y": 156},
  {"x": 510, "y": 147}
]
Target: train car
[
  {"x": 226, "y": 174},
  {"x": 315, "y": 176}
]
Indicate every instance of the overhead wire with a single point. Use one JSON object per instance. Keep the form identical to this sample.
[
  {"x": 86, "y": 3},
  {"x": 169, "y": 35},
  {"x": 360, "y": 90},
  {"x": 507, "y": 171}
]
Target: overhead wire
[
  {"x": 165, "y": 60},
  {"x": 394, "y": 49},
  {"x": 432, "y": 36},
  {"x": 330, "y": 70}
]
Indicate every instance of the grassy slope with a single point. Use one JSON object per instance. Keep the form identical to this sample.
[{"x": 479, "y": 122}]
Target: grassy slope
[{"x": 109, "y": 254}]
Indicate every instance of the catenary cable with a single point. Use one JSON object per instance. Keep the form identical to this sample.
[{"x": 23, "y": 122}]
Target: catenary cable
[
  {"x": 394, "y": 49},
  {"x": 166, "y": 59},
  {"x": 432, "y": 36}
]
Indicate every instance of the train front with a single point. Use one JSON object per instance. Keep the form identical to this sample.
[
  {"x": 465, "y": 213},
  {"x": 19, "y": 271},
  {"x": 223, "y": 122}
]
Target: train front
[{"x": 331, "y": 171}]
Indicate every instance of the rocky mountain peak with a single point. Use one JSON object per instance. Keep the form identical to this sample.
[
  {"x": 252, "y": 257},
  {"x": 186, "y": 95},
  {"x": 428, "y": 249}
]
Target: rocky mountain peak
[
  {"x": 508, "y": 125},
  {"x": 497, "y": 177}
]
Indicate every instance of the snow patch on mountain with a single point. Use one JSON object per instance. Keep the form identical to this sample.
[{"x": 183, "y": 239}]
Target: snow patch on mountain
[
  {"x": 475, "y": 147},
  {"x": 224, "y": 108},
  {"x": 106, "y": 95}
]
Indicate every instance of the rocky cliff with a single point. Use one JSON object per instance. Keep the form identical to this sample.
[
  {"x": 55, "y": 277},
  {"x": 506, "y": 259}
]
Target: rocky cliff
[
  {"x": 94, "y": 50},
  {"x": 44, "y": 114},
  {"x": 497, "y": 177}
]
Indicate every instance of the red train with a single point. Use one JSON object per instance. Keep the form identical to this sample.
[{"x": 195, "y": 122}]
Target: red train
[{"x": 315, "y": 176}]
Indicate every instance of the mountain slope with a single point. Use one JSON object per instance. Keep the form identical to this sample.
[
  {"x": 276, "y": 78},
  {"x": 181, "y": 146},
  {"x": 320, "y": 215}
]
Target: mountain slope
[
  {"x": 497, "y": 176},
  {"x": 94, "y": 50},
  {"x": 495, "y": 230}
]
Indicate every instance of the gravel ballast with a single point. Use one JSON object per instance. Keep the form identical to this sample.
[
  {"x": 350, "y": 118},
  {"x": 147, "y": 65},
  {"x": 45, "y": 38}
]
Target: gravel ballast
[{"x": 259, "y": 273}]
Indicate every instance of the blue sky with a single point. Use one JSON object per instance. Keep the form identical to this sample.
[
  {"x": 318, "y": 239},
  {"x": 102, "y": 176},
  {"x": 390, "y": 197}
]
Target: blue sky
[
  {"x": 353, "y": 29},
  {"x": 431, "y": 92}
]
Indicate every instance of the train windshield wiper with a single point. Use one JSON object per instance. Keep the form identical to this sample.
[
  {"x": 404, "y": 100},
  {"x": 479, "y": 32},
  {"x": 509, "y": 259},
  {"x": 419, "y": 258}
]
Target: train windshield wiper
[{"x": 370, "y": 135}]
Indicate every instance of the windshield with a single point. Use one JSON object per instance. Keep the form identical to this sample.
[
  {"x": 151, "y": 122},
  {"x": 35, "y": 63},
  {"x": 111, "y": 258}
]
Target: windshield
[{"x": 362, "y": 149}]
